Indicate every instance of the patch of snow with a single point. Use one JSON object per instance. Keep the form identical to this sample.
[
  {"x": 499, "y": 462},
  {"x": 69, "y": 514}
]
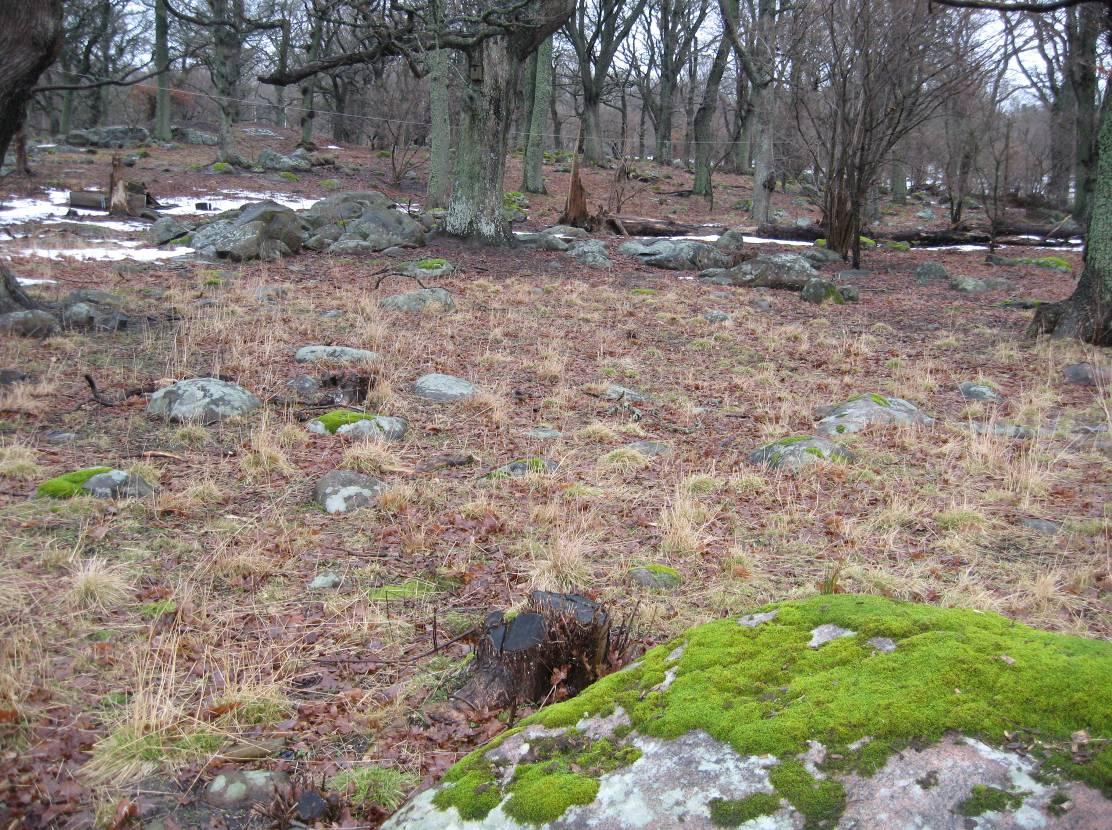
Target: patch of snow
[
  {"x": 105, "y": 254},
  {"x": 186, "y": 205},
  {"x": 954, "y": 248},
  {"x": 45, "y": 146},
  {"x": 331, "y": 147},
  {"x": 35, "y": 281},
  {"x": 760, "y": 240}
]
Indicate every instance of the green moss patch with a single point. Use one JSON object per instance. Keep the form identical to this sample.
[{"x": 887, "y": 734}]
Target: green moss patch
[
  {"x": 337, "y": 418},
  {"x": 432, "y": 264},
  {"x": 410, "y": 589},
  {"x": 984, "y": 799},
  {"x": 728, "y": 812},
  {"x": 69, "y": 485}
]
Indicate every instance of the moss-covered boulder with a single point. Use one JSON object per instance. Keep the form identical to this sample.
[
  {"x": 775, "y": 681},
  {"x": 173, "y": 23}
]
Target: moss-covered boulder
[
  {"x": 429, "y": 268},
  {"x": 68, "y": 485},
  {"x": 835, "y": 711},
  {"x": 798, "y": 451},
  {"x": 862, "y": 411},
  {"x": 352, "y": 424}
]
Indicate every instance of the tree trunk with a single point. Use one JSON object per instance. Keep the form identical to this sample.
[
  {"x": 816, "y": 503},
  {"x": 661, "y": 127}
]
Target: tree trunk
[
  {"x": 225, "y": 76},
  {"x": 593, "y": 153},
  {"x": 162, "y": 63},
  {"x": 440, "y": 135},
  {"x": 704, "y": 121},
  {"x": 1062, "y": 143},
  {"x": 664, "y": 121},
  {"x": 533, "y": 172},
  {"x": 764, "y": 171},
  {"x": 486, "y": 108},
  {"x": 283, "y": 64},
  {"x": 1087, "y": 313},
  {"x": 899, "y": 183},
  {"x": 740, "y": 135},
  {"x": 1082, "y": 71},
  {"x": 30, "y": 40}
]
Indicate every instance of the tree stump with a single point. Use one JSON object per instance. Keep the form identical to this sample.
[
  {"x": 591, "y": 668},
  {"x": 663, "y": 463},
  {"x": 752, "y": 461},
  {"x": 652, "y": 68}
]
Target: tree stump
[{"x": 556, "y": 647}]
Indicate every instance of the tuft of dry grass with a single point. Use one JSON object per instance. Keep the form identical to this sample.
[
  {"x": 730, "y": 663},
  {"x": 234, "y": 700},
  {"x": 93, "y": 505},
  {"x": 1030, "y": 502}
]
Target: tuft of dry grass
[
  {"x": 96, "y": 583},
  {"x": 19, "y": 461}
]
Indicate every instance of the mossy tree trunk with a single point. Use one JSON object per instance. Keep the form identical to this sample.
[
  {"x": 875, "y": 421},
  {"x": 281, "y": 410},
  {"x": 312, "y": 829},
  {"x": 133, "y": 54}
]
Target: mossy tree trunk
[
  {"x": 30, "y": 40},
  {"x": 537, "y": 119},
  {"x": 1087, "y": 313},
  {"x": 162, "y": 62},
  {"x": 440, "y": 133},
  {"x": 704, "y": 121}
]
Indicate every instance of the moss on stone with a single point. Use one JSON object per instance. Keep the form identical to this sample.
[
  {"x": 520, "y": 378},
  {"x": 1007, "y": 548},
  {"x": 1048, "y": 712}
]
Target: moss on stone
[
  {"x": 540, "y": 797},
  {"x": 985, "y": 799},
  {"x": 663, "y": 570},
  {"x": 763, "y": 691},
  {"x": 410, "y": 589},
  {"x": 337, "y": 418},
  {"x": 69, "y": 485},
  {"x": 728, "y": 812},
  {"x": 287, "y": 176},
  {"x": 898, "y": 246},
  {"x": 432, "y": 264},
  {"x": 221, "y": 167}
]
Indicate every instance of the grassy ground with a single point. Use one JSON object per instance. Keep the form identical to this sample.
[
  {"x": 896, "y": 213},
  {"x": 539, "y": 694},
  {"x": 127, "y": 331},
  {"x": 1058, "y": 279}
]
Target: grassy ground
[{"x": 157, "y": 638}]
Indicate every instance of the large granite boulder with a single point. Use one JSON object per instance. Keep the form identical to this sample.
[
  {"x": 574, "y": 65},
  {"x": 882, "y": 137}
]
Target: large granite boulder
[
  {"x": 117, "y": 136},
  {"x": 677, "y": 254},
  {"x": 295, "y": 163},
  {"x": 261, "y": 230},
  {"x": 369, "y": 222},
  {"x": 767, "y": 270},
  {"x": 836, "y": 711}
]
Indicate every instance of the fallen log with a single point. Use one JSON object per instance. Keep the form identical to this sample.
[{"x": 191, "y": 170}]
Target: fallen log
[
  {"x": 642, "y": 226},
  {"x": 949, "y": 236}
]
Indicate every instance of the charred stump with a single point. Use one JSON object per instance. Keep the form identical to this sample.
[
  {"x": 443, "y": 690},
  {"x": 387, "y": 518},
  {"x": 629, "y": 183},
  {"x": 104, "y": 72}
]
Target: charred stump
[
  {"x": 12, "y": 295},
  {"x": 575, "y": 211},
  {"x": 555, "y": 648}
]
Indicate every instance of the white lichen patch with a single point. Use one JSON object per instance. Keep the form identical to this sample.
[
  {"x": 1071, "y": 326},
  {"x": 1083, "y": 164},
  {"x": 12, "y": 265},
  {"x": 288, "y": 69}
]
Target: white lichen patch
[
  {"x": 753, "y": 620},
  {"x": 827, "y": 633}
]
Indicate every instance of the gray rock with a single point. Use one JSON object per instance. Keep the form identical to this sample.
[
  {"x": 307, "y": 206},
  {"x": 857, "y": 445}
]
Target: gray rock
[
  {"x": 30, "y": 323},
  {"x": 753, "y": 620},
  {"x": 9, "y": 377},
  {"x": 188, "y": 135},
  {"x": 978, "y": 392},
  {"x": 614, "y": 392},
  {"x": 567, "y": 231},
  {"x": 969, "y": 285},
  {"x": 206, "y": 400},
  {"x": 58, "y": 436},
  {"x": 369, "y": 220},
  {"x": 927, "y": 215},
  {"x": 828, "y": 633},
  {"x": 1003, "y": 429},
  {"x": 524, "y": 467},
  {"x": 798, "y": 452},
  {"x": 325, "y": 581},
  {"x": 590, "y": 252},
  {"x": 658, "y": 577},
  {"x": 270, "y": 293},
  {"x": 884, "y": 645},
  {"x": 818, "y": 291},
  {"x": 1042, "y": 526},
  {"x": 1086, "y": 374},
  {"x": 264, "y": 230},
  {"x": 732, "y": 242},
  {"x": 821, "y": 256},
  {"x": 334, "y": 354},
  {"x": 931, "y": 272},
  {"x": 117, "y": 484},
  {"x": 850, "y": 293},
  {"x": 443, "y": 388},
  {"x": 242, "y": 788},
  {"x": 863, "y": 411},
  {"x": 650, "y": 449},
  {"x": 342, "y": 491},
  {"x": 427, "y": 269},
  {"x": 543, "y": 434},
  {"x": 716, "y": 316},
  {"x": 116, "y": 136},
  {"x": 761, "y": 304},
  {"x": 414, "y": 302},
  {"x": 383, "y": 427},
  {"x": 352, "y": 247},
  {"x": 89, "y": 315},
  {"x": 542, "y": 241},
  {"x": 166, "y": 229},
  {"x": 271, "y": 160},
  {"x": 677, "y": 255},
  {"x": 769, "y": 267}
]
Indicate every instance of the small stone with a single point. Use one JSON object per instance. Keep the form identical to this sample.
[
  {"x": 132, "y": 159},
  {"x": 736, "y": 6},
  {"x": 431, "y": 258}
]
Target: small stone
[
  {"x": 1086, "y": 374},
  {"x": 384, "y": 427},
  {"x": 443, "y": 388},
  {"x": 543, "y": 433},
  {"x": 795, "y": 453},
  {"x": 8, "y": 377},
  {"x": 431, "y": 299},
  {"x": 334, "y": 354},
  {"x": 979, "y": 392},
  {"x": 614, "y": 392},
  {"x": 716, "y": 316},
  {"x": 332, "y": 314},
  {"x": 57, "y": 436},
  {"x": 655, "y": 576},
  {"x": 761, "y": 304},
  {"x": 649, "y": 449},
  {"x": 342, "y": 491},
  {"x": 753, "y": 620},
  {"x": 311, "y": 807},
  {"x": 306, "y": 387},
  {"x": 239, "y": 788},
  {"x": 827, "y": 633},
  {"x": 885, "y": 645},
  {"x": 818, "y": 291},
  {"x": 931, "y": 272},
  {"x": 325, "y": 581},
  {"x": 1006, "y": 659},
  {"x": 1041, "y": 526},
  {"x": 523, "y": 467},
  {"x": 117, "y": 484}
]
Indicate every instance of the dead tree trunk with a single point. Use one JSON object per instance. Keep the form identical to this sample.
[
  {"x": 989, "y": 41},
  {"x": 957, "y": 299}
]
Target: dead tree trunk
[
  {"x": 12, "y": 295},
  {"x": 575, "y": 212}
]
